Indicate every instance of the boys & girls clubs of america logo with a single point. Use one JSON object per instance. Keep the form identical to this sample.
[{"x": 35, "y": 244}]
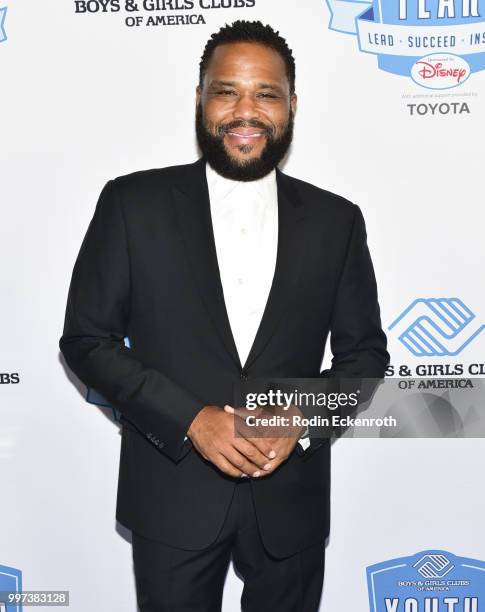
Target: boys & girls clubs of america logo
[
  {"x": 429, "y": 581},
  {"x": 436, "y": 43}
]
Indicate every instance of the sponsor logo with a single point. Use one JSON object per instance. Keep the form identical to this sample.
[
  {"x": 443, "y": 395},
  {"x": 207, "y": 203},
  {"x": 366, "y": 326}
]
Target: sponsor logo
[
  {"x": 430, "y": 581},
  {"x": 3, "y": 33},
  {"x": 434, "y": 566},
  {"x": 440, "y": 71},
  {"x": 438, "y": 43},
  {"x": 445, "y": 108},
  {"x": 149, "y": 13},
  {"x": 10, "y": 582},
  {"x": 431, "y": 327}
]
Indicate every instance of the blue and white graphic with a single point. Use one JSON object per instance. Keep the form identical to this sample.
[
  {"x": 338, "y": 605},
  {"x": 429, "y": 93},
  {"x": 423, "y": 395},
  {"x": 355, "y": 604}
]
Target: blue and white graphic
[
  {"x": 431, "y": 327},
  {"x": 3, "y": 13},
  {"x": 434, "y": 566},
  {"x": 438, "y": 43},
  {"x": 10, "y": 582},
  {"x": 430, "y": 581}
]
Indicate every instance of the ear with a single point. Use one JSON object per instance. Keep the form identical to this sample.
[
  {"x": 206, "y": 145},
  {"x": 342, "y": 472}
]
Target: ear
[
  {"x": 198, "y": 94},
  {"x": 293, "y": 101}
]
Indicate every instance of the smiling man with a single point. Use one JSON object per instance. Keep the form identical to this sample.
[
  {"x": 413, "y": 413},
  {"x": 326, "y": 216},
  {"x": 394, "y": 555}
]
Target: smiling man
[
  {"x": 245, "y": 106},
  {"x": 221, "y": 270}
]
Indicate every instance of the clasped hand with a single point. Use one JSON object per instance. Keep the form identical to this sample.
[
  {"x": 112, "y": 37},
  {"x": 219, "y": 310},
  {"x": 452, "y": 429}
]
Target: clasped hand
[{"x": 224, "y": 437}]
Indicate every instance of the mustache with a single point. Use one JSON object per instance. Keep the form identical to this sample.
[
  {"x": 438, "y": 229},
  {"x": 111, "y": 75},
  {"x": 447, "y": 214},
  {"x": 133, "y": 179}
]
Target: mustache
[{"x": 228, "y": 127}]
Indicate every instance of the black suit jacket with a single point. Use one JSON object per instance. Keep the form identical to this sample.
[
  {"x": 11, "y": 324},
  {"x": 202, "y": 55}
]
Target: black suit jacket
[{"x": 147, "y": 269}]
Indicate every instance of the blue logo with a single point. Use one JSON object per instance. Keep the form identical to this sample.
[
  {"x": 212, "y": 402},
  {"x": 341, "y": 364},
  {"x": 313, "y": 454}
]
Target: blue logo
[
  {"x": 11, "y": 582},
  {"x": 438, "y": 43},
  {"x": 430, "y": 581},
  {"x": 436, "y": 327},
  {"x": 3, "y": 34}
]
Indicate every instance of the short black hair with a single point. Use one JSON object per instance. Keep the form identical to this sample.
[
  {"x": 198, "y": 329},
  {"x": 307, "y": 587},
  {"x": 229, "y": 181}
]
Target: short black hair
[{"x": 249, "y": 31}]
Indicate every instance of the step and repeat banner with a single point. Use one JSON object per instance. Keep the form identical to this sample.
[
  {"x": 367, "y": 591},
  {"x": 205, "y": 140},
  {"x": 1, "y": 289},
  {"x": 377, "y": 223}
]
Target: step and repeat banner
[{"x": 390, "y": 115}]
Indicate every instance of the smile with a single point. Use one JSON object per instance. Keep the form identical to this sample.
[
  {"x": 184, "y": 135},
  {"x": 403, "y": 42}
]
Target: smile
[{"x": 238, "y": 135}]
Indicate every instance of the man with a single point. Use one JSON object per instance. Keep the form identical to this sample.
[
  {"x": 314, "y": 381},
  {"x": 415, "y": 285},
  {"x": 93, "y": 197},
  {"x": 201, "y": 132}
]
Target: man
[{"x": 217, "y": 271}]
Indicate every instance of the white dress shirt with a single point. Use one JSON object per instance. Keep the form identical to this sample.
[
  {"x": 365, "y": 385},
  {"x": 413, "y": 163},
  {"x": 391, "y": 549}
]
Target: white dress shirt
[{"x": 245, "y": 225}]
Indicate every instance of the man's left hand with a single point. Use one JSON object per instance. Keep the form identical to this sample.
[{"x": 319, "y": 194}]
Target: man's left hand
[{"x": 281, "y": 437}]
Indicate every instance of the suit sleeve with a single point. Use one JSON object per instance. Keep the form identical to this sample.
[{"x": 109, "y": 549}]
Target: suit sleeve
[
  {"x": 357, "y": 340},
  {"x": 96, "y": 322}
]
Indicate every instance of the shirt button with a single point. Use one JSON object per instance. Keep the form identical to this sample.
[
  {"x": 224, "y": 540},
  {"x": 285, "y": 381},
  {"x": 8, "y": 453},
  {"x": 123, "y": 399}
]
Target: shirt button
[
  {"x": 240, "y": 281},
  {"x": 243, "y": 231}
]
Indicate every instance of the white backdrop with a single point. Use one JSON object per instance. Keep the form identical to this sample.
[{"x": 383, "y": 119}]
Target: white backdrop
[{"x": 85, "y": 98}]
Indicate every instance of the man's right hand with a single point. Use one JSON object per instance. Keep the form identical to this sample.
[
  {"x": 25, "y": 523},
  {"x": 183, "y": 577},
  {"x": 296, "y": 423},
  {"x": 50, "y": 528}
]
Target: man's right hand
[{"x": 212, "y": 432}]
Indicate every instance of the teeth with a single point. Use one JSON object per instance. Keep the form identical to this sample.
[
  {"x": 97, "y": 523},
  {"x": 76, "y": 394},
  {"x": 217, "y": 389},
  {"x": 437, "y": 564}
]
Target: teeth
[{"x": 245, "y": 135}]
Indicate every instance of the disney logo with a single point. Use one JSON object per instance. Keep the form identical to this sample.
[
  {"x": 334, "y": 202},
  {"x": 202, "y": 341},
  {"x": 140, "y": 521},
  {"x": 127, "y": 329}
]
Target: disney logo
[{"x": 432, "y": 71}]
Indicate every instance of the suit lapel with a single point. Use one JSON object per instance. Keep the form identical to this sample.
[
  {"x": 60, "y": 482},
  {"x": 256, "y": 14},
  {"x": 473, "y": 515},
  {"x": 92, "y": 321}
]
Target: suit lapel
[
  {"x": 192, "y": 206},
  {"x": 191, "y": 196},
  {"x": 288, "y": 263}
]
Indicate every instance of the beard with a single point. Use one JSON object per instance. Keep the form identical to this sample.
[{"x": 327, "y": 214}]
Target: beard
[{"x": 214, "y": 151}]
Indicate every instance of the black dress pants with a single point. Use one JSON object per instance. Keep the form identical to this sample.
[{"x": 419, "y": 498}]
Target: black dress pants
[{"x": 176, "y": 580}]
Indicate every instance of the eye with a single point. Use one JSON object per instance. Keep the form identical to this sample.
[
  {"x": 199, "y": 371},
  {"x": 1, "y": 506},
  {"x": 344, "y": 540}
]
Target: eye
[
  {"x": 225, "y": 92},
  {"x": 267, "y": 95}
]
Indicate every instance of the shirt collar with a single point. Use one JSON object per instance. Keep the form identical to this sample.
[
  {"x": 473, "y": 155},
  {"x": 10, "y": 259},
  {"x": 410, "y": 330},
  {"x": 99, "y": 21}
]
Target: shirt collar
[{"x": 221, "y": 187}]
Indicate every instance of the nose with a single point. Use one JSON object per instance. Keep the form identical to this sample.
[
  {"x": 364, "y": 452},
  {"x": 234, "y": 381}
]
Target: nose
[{"x": 246, "y": 108}]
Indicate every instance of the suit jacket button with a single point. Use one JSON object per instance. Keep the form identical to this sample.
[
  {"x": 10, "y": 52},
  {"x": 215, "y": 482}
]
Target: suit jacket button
[{"x": 244, "y": 375}]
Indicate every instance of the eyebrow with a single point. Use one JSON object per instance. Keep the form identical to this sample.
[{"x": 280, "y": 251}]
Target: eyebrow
[
  {"x": 222, "y": 83},
  {"x": 269, "y": 86},
  {"x": 219, "y": 83}
]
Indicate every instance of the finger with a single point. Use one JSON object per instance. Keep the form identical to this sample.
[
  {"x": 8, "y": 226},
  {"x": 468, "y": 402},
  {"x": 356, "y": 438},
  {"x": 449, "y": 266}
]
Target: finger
[
  {"x": 267, "y": 446},
  {"x": 275, "y": 463},
  {"x": 227, "y": 467},
  {"x": 242, "y": 411},
  {"x": 252, "y": 431},
  {"x": 252, "y": 453},
  {"x": 239, "y": 461}
]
